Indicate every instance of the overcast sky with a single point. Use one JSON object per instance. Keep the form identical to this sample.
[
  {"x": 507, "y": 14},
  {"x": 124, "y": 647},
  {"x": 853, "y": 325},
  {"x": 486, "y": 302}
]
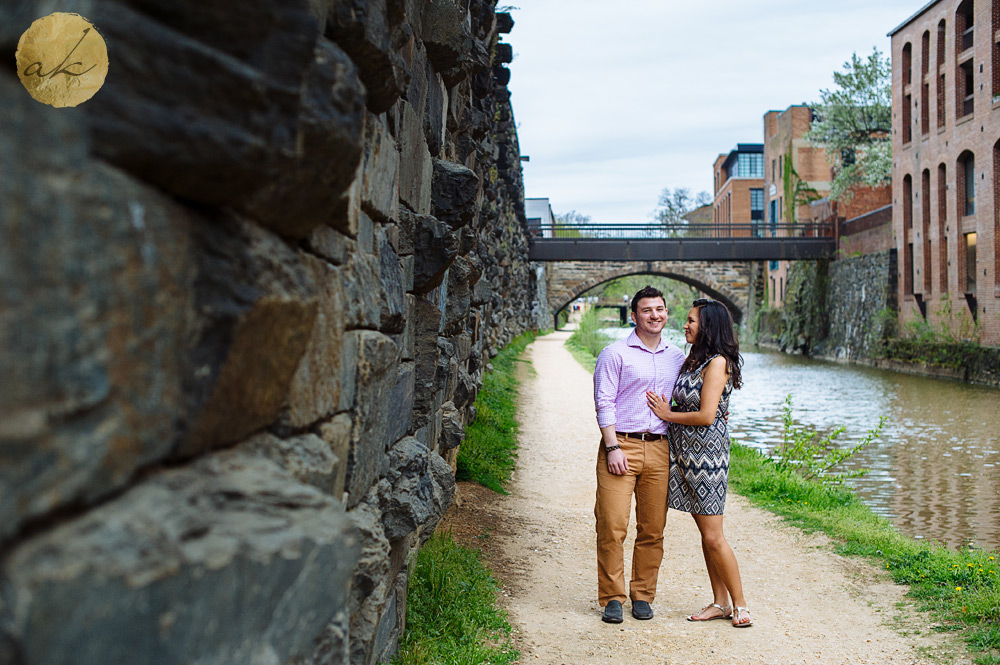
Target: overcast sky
[{"x": 616, "y": 100}]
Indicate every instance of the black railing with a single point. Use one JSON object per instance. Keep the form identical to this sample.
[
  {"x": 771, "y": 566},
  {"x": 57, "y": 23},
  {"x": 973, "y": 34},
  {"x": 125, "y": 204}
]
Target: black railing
[{"x": 736, "y": 231}]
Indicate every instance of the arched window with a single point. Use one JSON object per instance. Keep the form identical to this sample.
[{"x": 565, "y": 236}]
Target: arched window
[
  {"x": 995, "y": 47},
  {"x": 925, "y": 229},
  {"x": 942, "y": 211},
  {"x": 939, "y": 71},
  {"x": 907, "y": 91},
  {"x": 964, "y": 72},
  {"x": 966, "y": 184},
  {"x": 965, "y": 190},
  {"x": 996, "y": 214},
  {"x": 907, "y": 235},
  {"x": 925, "y": 83}
]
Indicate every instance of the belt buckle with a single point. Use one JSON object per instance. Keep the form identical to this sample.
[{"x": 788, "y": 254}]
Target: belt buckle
[{"x": 642, "y": 436}]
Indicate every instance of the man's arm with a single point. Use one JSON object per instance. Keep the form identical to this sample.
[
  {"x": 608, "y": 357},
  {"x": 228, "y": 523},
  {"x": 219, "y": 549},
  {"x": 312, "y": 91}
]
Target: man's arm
[
  {"x": 617, "y": 462},
  {"x": 606, "y": 375}
]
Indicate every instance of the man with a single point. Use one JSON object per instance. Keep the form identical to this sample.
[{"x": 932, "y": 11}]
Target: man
[{"x": 633, "y": 457}]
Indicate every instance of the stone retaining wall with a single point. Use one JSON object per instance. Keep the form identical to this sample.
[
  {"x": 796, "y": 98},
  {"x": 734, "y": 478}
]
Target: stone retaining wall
[
  {"x": 841, "y": 310},
  {"x": 250, "y": 289}
]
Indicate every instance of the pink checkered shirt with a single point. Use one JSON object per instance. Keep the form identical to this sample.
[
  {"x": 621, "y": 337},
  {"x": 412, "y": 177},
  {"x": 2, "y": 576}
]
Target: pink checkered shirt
[{"x": 625, "y": 370}]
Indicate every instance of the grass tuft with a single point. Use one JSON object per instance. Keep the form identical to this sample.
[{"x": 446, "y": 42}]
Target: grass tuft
[
  {"x": 452, "y": 615},
  {"x": 489, "y": 451}
]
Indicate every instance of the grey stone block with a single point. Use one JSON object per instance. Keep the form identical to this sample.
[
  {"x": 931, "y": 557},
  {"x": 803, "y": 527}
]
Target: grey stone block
[
  {"x": 410, "y": 503},
  {"x": 361, "y": 27},
  {"x": 307, "y": 457},
  {"x": 97, "y": 273},
  {"x": 392, "y": 305},
  {"x": 454, "y": 192},
  {"x": 435, "y": 248},
  {"x": 377, "y": 376},
  {"x": 255, "y": 309},
  {"x": 230, "y": 561},
  {"x": 447, "y": 32},
  {"x": 415, "y": 169},
  {"x": 452, "y": 427},
  {"x": 402, "y": 400},
  {"x": 274, "y": 132},
  {"x": 426, "y": 321},
  {"x": 324, "y": 379},
  {"x": 380, "y": 171}
]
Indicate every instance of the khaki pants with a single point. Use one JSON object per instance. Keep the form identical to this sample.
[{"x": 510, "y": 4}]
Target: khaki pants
[{"x": 649, "y": 466}]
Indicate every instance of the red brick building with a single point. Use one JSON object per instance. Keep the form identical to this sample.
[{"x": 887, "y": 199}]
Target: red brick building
[
  {"x": 946, "y": 167},
  {"x": 789, "y": 157},
  {"x": 739, "y": 195},
  {"x": 862, "y": 225}
]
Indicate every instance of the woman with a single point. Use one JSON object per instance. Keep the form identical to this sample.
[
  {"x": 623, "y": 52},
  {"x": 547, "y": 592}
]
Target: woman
[{"x": 699, "y": 448}]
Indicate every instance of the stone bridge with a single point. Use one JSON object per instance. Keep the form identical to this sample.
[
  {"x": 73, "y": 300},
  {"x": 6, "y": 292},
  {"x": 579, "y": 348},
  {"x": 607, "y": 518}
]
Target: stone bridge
[{"x": 729, "y": 282}]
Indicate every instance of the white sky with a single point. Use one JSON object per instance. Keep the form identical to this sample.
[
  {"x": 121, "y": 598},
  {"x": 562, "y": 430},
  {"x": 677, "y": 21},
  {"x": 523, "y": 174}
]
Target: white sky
[{"x": 616, "y": 100}]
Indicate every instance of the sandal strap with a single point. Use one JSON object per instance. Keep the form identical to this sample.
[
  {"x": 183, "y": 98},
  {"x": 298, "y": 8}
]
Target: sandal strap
[{"x": 726, "y": 611}]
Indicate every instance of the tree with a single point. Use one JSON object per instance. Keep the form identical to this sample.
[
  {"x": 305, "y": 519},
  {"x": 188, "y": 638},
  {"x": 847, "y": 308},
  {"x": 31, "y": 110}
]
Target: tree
[
  {"x": 566, "y": 224},
  {"x": 854, "y": 124},
  {"x": 674, "y": 204}
]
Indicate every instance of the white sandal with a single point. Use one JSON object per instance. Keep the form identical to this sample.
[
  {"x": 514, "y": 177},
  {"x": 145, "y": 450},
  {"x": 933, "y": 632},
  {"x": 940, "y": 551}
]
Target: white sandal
[
  {"x": 726, "y": 613},
  {"x": 738, "y": 614}
]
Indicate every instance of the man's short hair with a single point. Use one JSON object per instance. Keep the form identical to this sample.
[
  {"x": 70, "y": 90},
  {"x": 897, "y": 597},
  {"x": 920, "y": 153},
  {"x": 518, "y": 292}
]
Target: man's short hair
[{"x": 647, "y": 292}]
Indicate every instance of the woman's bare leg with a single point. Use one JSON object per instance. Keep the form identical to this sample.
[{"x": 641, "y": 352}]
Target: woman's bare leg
[{"x": 723, "y": 570}]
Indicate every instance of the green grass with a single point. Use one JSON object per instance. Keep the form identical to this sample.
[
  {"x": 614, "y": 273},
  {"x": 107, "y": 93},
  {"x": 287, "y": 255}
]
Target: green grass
[
  {"x": 452, "y": 614},
  {"x": 488, "y": 452},
  {"x": 960, "y": 589},
  {"x": 587, "y": 340}
]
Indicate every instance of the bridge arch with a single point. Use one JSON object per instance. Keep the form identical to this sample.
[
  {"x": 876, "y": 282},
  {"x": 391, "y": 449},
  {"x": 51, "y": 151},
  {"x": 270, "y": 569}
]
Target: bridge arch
[{"x": 726, "y": 282}]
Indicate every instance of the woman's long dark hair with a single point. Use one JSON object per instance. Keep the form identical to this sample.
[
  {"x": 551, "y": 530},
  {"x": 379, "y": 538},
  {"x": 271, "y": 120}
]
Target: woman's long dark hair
[{"x": 716, "y": 336}]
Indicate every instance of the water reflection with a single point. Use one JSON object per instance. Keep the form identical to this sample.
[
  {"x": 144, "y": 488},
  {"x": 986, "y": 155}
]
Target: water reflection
[{"x": 934, "y": 471}]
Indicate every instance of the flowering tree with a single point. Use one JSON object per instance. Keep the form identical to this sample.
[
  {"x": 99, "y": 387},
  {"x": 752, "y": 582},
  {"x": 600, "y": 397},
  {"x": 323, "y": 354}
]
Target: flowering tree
[{"x": 854, "y": 124}]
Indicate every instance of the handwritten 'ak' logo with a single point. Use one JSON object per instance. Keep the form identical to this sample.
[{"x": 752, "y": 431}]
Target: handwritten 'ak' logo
[{"x": 62, "y": 60}]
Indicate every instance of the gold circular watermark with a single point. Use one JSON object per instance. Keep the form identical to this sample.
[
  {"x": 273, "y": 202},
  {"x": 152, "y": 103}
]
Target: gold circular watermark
[{"x": 62, "y": 60}]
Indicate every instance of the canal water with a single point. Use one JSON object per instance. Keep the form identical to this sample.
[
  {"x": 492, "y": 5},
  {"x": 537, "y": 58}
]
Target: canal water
[{"x": 935, "y": 470}]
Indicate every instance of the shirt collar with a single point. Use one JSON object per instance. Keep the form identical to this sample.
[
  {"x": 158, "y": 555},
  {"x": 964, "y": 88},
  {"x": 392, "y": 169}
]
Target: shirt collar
[{"x": 633, "y": 340}]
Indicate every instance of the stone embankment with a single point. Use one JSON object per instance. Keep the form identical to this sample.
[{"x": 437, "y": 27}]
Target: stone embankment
[{"x": 250, "y": 291}]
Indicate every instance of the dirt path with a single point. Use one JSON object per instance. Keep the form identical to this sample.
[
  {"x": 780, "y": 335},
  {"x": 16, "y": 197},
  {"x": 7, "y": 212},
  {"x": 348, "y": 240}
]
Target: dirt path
[{"x": 809, "y": 605}]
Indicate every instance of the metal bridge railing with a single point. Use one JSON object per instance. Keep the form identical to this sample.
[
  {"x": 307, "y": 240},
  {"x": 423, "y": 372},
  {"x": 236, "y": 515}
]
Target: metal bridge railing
[{"x": 756, "y": 230}]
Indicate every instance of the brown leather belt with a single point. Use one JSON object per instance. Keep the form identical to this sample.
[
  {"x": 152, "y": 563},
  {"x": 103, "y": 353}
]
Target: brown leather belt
[{"x": 643, "y": 436}]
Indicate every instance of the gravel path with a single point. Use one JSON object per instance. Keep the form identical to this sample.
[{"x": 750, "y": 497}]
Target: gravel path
[{"x": 809, "y": 605}]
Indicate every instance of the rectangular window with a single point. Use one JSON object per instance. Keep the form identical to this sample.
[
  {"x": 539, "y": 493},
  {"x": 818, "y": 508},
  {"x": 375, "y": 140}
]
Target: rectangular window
[
  {"x": 970, "y": 187},
  {"x": 908, "y": 271},
  {"x": 749, "y": 165},
  {"x": 942, "y": 207},
  {"x": 907, "y": 118},
  {"x": 773, "y": 218},
  {"x": 756, "y": 204},
  {"x": 970, "y": 262},
  {"x": 964, "y": 90},
  {"x": 773, "y": 265}
]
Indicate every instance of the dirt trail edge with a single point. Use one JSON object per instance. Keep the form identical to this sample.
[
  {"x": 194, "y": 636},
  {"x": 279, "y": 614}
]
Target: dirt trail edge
[{"x": 809, "y": 604}]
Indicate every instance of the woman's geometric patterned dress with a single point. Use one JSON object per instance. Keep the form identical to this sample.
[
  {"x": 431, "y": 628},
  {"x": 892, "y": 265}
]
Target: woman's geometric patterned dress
[{"x": 699, "y": 454}]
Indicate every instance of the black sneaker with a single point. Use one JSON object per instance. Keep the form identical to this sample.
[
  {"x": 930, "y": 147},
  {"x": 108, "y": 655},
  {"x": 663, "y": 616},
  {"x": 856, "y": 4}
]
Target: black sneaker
[
  {"x": 612, "y": 612},
  {"x": 641, "y": 610}
]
